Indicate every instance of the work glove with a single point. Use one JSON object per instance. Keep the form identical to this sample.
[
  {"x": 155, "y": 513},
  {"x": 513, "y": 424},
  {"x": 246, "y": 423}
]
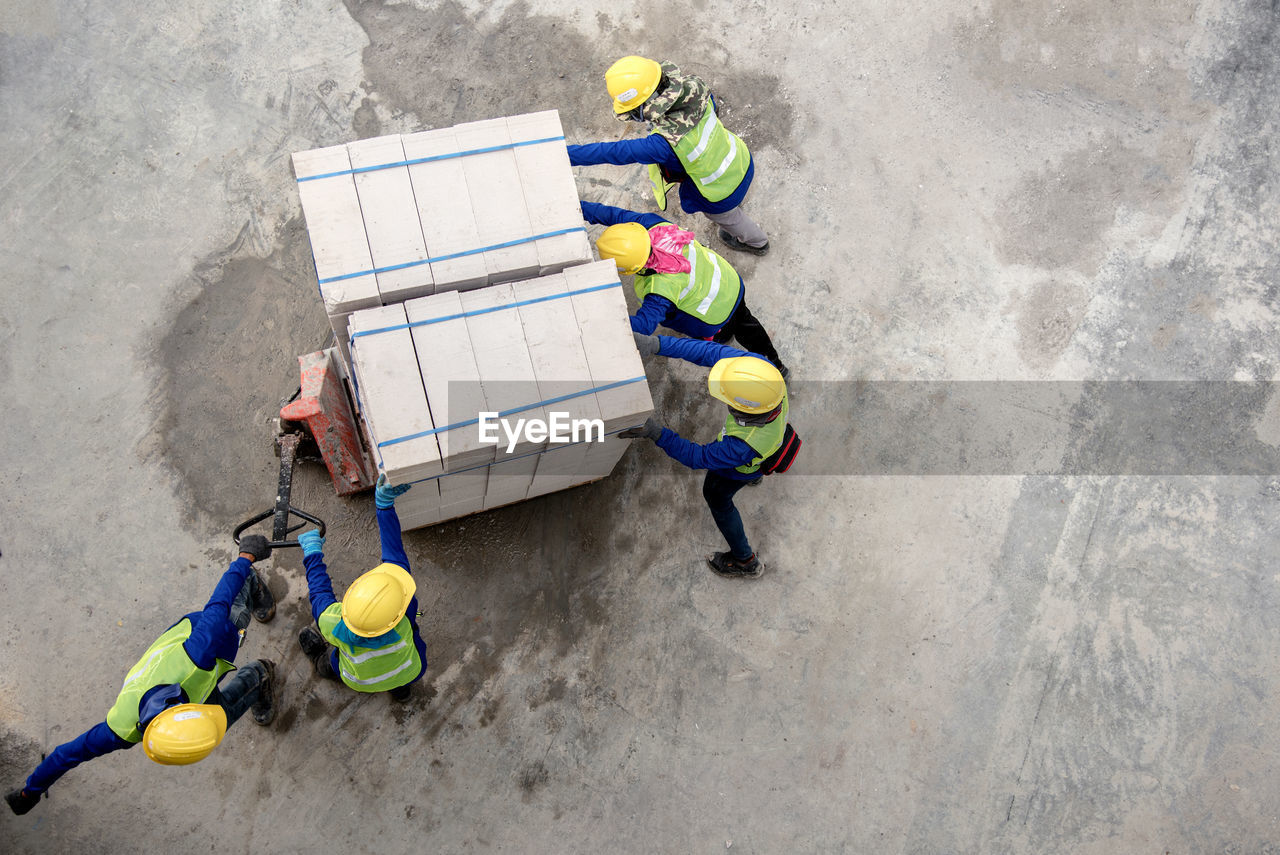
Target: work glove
[
  {"x": 649, "y": 430},
  {"x": 311, "y": 542},
  {"x": 256, "y": 545},
  {"x": 384, "y": 496},
  {"x": 20, "y": 802},
  {"x": 646, "y": 344}
]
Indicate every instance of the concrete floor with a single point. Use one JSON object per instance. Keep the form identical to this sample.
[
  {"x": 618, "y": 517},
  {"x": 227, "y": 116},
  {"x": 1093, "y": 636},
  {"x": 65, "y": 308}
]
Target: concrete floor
[{"x": 991, "y": 662}]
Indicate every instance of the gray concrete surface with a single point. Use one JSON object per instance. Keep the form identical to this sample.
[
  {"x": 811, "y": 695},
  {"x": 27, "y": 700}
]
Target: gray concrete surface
[{"x": 990, "y": 190}]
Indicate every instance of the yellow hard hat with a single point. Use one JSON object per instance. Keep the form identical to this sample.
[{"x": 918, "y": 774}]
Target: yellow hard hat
[
  {"x": 630, "y": 81},
  {"x": 376, "y": 602},
  {"x": 184, "y": 734},
  {"x": 627, "y": 244},
  {"x": 747, "y": 383}
]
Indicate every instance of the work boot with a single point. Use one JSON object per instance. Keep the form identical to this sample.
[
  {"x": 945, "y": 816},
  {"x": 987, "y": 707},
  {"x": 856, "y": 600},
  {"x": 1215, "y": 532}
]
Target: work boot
[
  {"x": 756, "y": 481},
  {"x": 264, "y": 711},
  {"x": 317, "y": 650},
  {"x": 733, "y": 243},
  {"x": 783, "y": 370},
  {"x": 724, "y": 564},
  {"x": 262, "y": 602},
  {"x": 400, "y": 694}
]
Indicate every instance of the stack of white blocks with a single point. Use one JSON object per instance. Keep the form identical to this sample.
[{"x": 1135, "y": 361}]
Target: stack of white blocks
[
  {"x": 426, "y": 369},
  {"x": 398, "y": 217}
]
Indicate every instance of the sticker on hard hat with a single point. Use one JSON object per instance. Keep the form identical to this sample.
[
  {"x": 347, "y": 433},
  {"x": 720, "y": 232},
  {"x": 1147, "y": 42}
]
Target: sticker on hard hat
[
  {"x": 628, "y": 95},
  {"x": 746, "y": 402},
  {"x": 183, "y": 716}
]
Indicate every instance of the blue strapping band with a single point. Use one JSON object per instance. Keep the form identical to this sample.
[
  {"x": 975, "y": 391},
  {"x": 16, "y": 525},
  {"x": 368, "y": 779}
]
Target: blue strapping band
[
  {"x": 389, "y": 268},
  {"x": 435, "y": 157},
  {"x": 558, "y": 447},
  {"x": 470, "y": 314},
  {"x": 506, "y": 413}
]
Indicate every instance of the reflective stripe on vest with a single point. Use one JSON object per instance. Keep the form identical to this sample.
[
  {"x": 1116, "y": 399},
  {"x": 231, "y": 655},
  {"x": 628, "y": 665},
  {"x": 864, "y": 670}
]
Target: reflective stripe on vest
[
  {"x": 373, "y": 669},
  {"x": 764, "y": 439},
  {"x": 164, "y": 662},
  {"x": 712, "y": 155},
  {"x": 708, "y": 292}
]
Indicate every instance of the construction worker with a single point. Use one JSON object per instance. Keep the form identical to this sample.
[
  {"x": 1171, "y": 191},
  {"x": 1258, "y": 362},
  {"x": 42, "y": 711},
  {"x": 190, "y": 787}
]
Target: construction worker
[
  {"x": 756, "y": 396},
  {"x": 687, "y": 145},
  {"x": 171, "y": 701},
  {"x": 681, "y": 284},
  {"x": 374, "y": 635}
]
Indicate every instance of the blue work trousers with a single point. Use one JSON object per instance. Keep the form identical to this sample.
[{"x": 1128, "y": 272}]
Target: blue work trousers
[{"x": 719, "y": 492}]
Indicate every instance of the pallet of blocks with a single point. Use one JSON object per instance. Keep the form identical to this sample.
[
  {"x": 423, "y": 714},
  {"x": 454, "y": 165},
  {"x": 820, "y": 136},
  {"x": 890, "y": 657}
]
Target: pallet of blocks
[
  {"x": 452, "y": 209},
  {"x": 453, "y": 386}
]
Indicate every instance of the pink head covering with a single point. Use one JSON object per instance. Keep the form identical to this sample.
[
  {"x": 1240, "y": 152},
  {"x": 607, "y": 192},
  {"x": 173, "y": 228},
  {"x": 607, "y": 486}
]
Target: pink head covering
[{"x": 666, "y": 242}]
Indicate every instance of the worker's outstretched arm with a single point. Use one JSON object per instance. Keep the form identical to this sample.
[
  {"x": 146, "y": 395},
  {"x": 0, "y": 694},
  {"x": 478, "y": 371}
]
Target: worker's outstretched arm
[
  {"x": 607, "y": 215},
  {"x": 392, "y": 541},
  {"x": 98, "y": 740},
  {"x": 727, "y": 453},
  {"x": 319, "y": 585},
  {"x": 704, "y": 353},
  {"x": 384, "y": 499},
  {"x": 651, "y": 149},
  {"x": 210, "y": 626}
]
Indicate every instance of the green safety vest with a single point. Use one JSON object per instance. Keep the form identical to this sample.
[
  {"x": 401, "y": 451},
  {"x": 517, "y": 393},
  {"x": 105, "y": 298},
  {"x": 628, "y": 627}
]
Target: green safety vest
[
  {"x": 164, "y": 662},
  {"x": 709, "y": 291},
  {"x": 373, "y": 669},
  {"x": 713, "y": 156},
  {"x": 764, "y": 439}
]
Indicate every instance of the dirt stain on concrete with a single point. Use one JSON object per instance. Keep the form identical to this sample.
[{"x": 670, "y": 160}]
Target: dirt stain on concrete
[
  {"x": 1102, "y": 65},
  {"x": 1047, "y": 318},
  {"x": 227, "y": 362}
]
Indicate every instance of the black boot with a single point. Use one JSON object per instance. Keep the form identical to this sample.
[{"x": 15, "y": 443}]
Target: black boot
[
  {"x": 262, "y": 602},
  {"x": 264, "y": 711},
  {"x": 401, "y": 694},
  {"x": 317, "y": 650},
  {"x": 733, "y": 243},
  {"x": 724, "y": 564}
]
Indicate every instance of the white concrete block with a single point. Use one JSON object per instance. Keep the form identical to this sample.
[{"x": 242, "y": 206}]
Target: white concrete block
[
  {"x": 421, "y": 502},
  {"x": 447, "y": 361},
  {"x": 550, "y": 194},
  {"x": 393, "y": 400},
  {"x": 560, "y": 366},
  {"x": 606, "y": 339},
  {"x": 509, "y": 481},
  {"x": 344, "y": 265},
  {"x": 444, "y": 210},
  {"x": 496, "y": 199},
  {"x": 391, "y": 219},
  {"x": 602, "y": 458},
  {"x": 461, "y": 509},
  {"x": 503, "y": 361}
]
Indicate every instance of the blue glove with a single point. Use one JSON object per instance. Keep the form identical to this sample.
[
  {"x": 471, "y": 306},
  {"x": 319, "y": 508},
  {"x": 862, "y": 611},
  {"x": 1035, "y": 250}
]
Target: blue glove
[
  {"x": 384, "y": 496},
  {"x": 311, "y": 542}
]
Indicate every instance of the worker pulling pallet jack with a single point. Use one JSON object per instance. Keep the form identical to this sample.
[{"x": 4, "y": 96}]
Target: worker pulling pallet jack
[
  {"x": 171, "y": 700},
  {"x": 756, "y": 439}
]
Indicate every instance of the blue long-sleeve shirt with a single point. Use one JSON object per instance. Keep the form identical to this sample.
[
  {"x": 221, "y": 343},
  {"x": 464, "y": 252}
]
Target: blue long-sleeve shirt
[
  {"x": 723, "y": 455},
  {"x": 655, "y": 310},
  {"x": 655, "y": 149},
  {"x": 320, "y": 588},
  {"x": 213, "y": 636}
]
